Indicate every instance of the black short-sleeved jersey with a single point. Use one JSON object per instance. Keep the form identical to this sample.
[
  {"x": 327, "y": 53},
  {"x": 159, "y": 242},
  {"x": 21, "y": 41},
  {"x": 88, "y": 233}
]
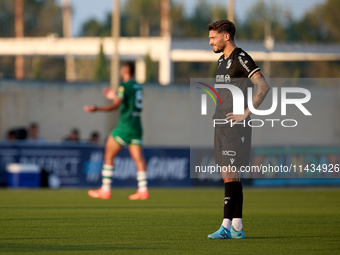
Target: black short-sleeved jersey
[
  {"x": 232, "y": 144},
  {"x": 236, "y": 70}
]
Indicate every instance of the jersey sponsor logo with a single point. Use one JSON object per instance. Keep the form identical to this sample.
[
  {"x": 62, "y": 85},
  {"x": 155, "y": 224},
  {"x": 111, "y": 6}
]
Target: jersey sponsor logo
[
  {"x": 228, "y": 153},
  {"x": 232, "y": 160},
  {"x": 227, "y": 78},
  {"x": 243, "y": 64},
  {"x": 220, "y": 78},
  {"x": 229, "y": 63},
  {"x": 242, "y": 54}
]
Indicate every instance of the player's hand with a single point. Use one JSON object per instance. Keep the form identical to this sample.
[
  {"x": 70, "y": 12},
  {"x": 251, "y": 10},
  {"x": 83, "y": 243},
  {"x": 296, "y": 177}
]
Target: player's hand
[
  {"x": 235, "y": 118},
  {"x": 109, "y": 93},
  {"x": 91, "y": 108}
]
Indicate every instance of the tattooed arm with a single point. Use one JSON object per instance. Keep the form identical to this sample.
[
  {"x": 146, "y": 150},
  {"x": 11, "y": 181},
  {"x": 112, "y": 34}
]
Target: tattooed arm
[{"x": 262, "y": 88}]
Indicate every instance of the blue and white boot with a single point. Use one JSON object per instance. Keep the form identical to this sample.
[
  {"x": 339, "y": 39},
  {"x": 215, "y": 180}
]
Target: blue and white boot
[
  {"x": 236, "y": 234},
  {"x": 222, "y": 233}
]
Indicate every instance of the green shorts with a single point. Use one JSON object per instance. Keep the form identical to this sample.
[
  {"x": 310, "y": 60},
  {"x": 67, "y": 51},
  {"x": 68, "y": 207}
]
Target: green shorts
[{"x": 126, "y": 137}]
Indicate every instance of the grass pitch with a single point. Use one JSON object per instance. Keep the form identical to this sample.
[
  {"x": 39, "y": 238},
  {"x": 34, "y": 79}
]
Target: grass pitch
[{"x": 172, "y": 221}]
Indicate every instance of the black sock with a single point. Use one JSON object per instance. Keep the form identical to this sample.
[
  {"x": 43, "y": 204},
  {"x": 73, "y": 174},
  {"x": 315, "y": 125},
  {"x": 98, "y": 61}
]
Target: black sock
[
  {"x": 230, "y": 199},
  {"x": 239, "y": 202}
]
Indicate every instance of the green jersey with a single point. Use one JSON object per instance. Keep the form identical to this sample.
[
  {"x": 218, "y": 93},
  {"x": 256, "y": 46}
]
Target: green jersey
[{"x": 130, "y": 109}]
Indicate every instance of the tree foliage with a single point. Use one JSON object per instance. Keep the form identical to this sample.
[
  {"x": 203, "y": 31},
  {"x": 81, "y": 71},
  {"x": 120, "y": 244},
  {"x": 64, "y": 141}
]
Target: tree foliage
[
  {"x": 141, "y": 17},
  {"x": 41, "y": 17},
  {"x": 7, "y": 18},
  {"x": 261, "y": 15},
  {"x": 319, "y": 24},
  {"x": 102, "y": 67}
]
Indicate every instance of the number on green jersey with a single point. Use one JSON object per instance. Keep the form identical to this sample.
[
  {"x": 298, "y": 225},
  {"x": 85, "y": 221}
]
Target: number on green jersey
[{"x": 139, "y": 99}]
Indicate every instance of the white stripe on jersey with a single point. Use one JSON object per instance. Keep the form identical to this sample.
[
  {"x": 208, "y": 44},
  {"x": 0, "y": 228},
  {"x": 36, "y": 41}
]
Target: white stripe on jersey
[{"x": 252, "y": 72}]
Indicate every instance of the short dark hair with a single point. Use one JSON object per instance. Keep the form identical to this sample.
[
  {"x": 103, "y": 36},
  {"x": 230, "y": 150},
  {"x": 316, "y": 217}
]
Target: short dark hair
[
  {"x": 75, "y": 130},
  {"x": 131, "y": 67},
  {"x": 11, "y": 133},
  {"x": 224, "y": 26},
  {"x": 94, "y": 134},
  {"x": 33, "y": 125}
]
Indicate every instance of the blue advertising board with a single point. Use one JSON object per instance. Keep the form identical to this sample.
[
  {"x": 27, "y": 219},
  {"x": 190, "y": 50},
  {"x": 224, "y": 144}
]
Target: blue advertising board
[{"x": 81, "y": 165}]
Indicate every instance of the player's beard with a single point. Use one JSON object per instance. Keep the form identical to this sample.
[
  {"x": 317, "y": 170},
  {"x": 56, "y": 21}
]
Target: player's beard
[{"x": 219, "y": 48}]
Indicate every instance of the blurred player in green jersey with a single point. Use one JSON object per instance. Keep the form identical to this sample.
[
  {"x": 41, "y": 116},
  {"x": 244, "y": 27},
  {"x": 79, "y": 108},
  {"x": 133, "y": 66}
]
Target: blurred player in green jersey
[{"x": 129, "y": 100}]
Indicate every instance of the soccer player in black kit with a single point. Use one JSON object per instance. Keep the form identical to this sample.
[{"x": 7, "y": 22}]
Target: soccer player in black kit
[{"x": 232, "y": 142}]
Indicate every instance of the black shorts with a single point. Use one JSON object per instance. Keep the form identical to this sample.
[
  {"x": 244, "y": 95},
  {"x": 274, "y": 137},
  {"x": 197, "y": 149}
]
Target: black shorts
[{"x": 232, "y": 145}]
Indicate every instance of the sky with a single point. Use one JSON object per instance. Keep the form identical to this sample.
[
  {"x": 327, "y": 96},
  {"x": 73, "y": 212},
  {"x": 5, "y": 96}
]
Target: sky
[{"x": 83, "y": 10}]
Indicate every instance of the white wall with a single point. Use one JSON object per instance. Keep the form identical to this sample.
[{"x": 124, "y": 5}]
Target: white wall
[{"x": 58, "y": 107}]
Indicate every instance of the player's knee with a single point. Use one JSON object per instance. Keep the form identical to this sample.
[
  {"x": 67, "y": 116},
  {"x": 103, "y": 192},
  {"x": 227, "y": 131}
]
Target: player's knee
[
  {"x": 138, "y": 159},
  {"x": 109, "y": 154}
]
